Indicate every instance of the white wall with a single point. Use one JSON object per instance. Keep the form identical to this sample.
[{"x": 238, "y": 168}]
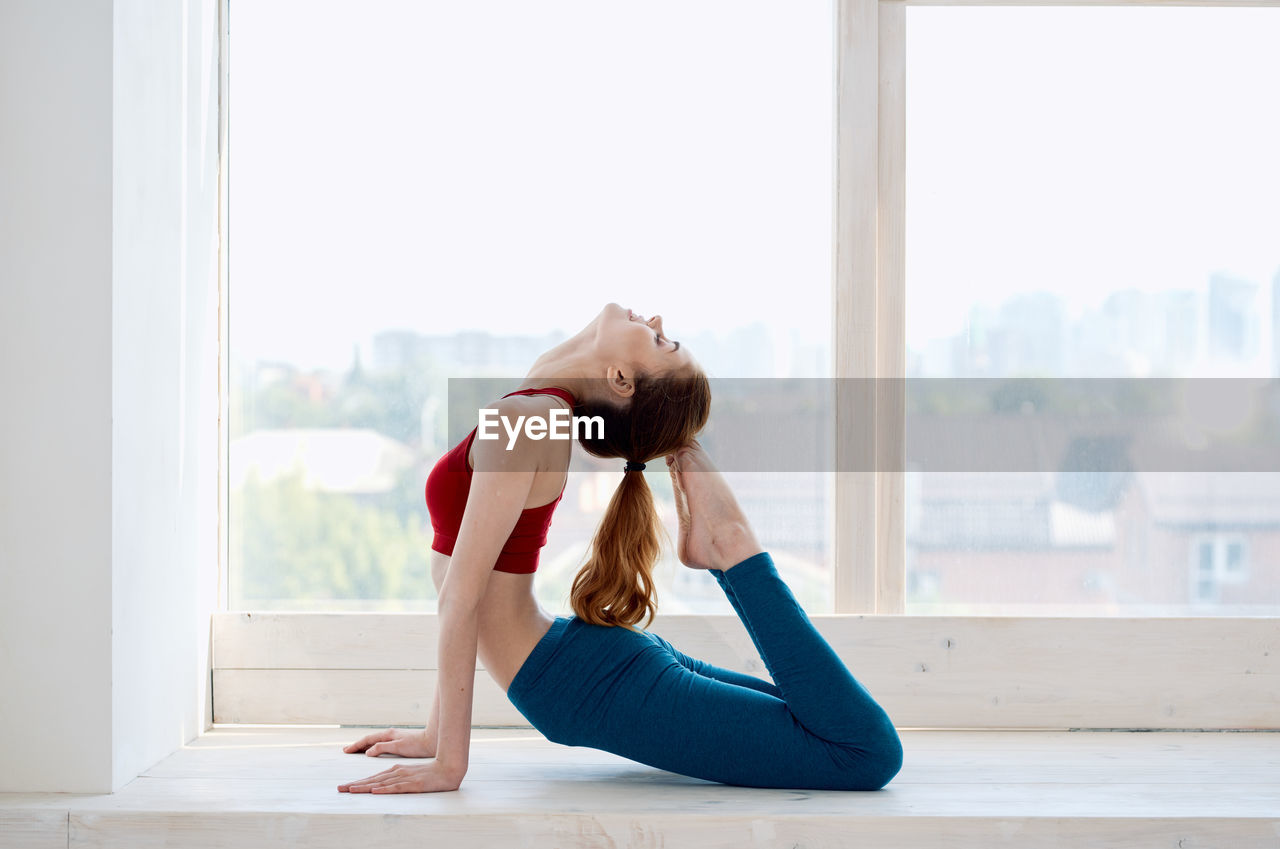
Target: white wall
[
  {"x": 108, "y": 339},
  {"x": 164, "y": 373},
  {"x": 55, "y": 382}
]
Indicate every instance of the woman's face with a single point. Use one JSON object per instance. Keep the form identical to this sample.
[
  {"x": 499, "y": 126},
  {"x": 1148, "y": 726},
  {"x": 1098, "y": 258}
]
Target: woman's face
[{"x": 631, "y": 342}]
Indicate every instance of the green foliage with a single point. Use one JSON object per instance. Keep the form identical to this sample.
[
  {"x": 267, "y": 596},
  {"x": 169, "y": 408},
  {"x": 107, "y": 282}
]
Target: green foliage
[
  {"x": 390, "y": 402},
  {"x": 291, "y": 543},
  {"x": 291, "y": 547}
]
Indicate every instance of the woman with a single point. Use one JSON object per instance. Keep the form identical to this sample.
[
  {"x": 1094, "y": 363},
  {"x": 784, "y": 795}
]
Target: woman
[{"x": 592, "y": 679}]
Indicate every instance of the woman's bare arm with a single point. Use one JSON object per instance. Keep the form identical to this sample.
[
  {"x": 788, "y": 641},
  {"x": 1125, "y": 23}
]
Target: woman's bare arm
[
  {"x": 500, "y": 486},
  {"x": 432, "y": 731}
]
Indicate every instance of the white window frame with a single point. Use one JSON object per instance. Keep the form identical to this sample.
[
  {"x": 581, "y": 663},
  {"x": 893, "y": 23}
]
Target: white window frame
[
  {"x": 1220, "y": 575},
  {"x": 928, "y": 671}
]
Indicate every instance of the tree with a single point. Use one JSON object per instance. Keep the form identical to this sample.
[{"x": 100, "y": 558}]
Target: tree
[{"x": 289, "y": 543}]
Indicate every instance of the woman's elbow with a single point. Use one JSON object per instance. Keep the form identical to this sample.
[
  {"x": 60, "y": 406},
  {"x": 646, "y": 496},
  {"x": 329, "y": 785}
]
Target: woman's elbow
[{"x": 457, "y": 605}]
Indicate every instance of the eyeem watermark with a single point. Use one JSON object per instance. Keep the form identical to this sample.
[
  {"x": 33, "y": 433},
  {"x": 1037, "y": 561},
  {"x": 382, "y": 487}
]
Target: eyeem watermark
[{"x": 562, "y": 425}]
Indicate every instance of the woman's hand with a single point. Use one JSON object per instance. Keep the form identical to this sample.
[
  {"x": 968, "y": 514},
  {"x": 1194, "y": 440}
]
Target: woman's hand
[
  {"x": 418, "y": 778},
  {"x": 394, "y": 741}
]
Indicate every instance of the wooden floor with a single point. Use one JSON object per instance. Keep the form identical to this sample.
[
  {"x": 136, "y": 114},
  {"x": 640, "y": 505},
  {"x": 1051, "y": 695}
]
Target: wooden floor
[{"x": 246, "y": 787}]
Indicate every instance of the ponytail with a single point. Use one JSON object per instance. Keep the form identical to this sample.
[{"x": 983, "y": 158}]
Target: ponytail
[{"x": 615, "y": 587}]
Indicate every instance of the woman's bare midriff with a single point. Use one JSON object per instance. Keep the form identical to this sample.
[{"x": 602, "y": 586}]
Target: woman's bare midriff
[{"x": 510, "y": 621}]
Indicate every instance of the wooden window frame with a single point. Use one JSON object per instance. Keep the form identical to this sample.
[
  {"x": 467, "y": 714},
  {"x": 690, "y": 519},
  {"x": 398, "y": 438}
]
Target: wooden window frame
[{"x": 929, "y": 671}]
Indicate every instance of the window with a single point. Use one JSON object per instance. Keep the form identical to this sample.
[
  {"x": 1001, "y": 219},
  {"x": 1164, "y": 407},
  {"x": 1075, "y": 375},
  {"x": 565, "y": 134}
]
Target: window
[
  {"x": 1219, "y": 566},
  {"x": 882, "y": 554},
  {"x": 1090, "y": 193},
  {"x": 430, "y": 191},
  {"x": 990, "y": 288}
]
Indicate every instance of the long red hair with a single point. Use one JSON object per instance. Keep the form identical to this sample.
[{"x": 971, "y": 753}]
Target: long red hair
[{"x": 615, "y": 585}]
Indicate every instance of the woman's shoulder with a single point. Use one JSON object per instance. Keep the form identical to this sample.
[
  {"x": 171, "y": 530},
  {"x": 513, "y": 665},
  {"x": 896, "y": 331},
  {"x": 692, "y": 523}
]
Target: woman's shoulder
[
  {"x": 538, "y": 399},
  {"x": 527, "y": 405},
  {"x": 517, "y": 429}
]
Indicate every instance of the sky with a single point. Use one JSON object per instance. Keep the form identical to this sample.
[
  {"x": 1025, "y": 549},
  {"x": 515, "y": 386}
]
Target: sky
[
  {"x": 1089, "y": 149},
  {"x": 513, "y": 166}
]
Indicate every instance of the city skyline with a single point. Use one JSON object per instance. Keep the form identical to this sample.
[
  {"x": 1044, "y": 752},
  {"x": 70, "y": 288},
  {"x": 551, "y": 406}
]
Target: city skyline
[{"x": 1177, "y": 332}]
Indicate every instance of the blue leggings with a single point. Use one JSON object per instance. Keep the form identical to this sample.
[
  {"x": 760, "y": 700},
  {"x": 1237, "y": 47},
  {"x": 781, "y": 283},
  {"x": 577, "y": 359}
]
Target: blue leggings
[{"x": 634, "y": 694}]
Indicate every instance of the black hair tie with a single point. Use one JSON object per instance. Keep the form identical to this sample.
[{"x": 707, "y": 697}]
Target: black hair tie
[{"x": 633, "y": 466}]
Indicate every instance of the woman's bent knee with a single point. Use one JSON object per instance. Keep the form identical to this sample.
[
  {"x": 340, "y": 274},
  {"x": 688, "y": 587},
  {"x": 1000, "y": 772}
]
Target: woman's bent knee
[
  {"x": 889, "y": 758},
  {"x": 872, "y": 765}
]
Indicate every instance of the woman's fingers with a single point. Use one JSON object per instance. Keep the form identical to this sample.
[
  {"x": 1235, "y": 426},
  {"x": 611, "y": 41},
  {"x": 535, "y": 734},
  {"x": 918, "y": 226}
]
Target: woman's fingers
[
  {"x": 365, "y": 783},
  {"x": 388, "y": 747},
  {"x": 365, "y": 741},
  {"x": 360, "y": 788},
  {"x": 397, "y": 787}
]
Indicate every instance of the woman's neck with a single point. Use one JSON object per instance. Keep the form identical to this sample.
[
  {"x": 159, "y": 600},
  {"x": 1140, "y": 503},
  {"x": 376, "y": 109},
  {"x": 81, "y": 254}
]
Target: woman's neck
[{"x": 567, "y": 366}]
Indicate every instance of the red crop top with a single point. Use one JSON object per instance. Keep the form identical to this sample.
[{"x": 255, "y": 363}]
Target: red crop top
[{"x": 448, "y": 486}]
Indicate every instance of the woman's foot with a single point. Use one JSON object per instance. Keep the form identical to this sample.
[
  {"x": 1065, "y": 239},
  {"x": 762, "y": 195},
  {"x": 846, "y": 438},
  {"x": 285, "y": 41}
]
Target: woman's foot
[{"x": 714, "y": 532}]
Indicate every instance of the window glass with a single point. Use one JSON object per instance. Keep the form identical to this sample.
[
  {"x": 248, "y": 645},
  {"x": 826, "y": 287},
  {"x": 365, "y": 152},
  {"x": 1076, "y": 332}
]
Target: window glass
[
  {"x": 1091, "y": 193},
  {"x": 422, "y": 191},
  {"x": 1235, "y": 557}
]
